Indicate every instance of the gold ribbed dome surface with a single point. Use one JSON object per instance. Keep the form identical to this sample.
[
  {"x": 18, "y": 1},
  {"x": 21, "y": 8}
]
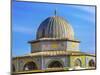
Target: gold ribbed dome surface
[{"x": 55, "y": 27}]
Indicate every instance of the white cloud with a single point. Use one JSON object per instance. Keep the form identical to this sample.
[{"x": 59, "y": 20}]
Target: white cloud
[
  {"x": 23, "y": 30},
  {"x": 87, "y": 13},
  {"x": 87, "y": 9}
]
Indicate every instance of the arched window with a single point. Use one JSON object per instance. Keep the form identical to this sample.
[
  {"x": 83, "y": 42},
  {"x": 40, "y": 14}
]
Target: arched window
[
  {"x": 13, "y": 68},
  {"x": 30, "y": 66},
  {"x": 91, "y": 63},
  {"x": 43, "y": 33},
  {"x": 55, "y": 64},
  {"x": 77, "y": 63}
]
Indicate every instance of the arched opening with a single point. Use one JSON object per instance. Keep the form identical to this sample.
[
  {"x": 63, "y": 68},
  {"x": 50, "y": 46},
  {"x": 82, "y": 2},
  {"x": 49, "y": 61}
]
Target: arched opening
[
  {"x": 30, "y": 66},
  {"x": 13, "y": 68},
  {"x": 55, "y": 64},
  {"x": 77, "y": 63},
  {"x": 91, "y": 63}
]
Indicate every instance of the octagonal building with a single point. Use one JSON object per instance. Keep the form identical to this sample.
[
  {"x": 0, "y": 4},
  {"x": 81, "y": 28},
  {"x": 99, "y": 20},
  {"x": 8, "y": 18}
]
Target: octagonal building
[{"x": 55, "y": 49}]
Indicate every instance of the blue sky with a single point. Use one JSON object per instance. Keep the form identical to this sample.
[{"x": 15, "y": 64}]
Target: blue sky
[{"x": 27, "y": 16}]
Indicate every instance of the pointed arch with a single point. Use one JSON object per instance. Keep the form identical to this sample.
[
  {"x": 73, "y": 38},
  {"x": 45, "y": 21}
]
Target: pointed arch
[
  {"x": 55, "y": 64},
  {"x": 30, "y": 66},
  {"x": 77, "y": 63},
  {"x": 91, "y": 63}
]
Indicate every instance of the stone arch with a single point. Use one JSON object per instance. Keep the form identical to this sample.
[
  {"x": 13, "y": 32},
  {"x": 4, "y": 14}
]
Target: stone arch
[
  {"x": 55, "y": 64},
  {"x": 30, "y": 66},
  {"x": 91, "y": 63},
  {"x": 77, "y": 63}
]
